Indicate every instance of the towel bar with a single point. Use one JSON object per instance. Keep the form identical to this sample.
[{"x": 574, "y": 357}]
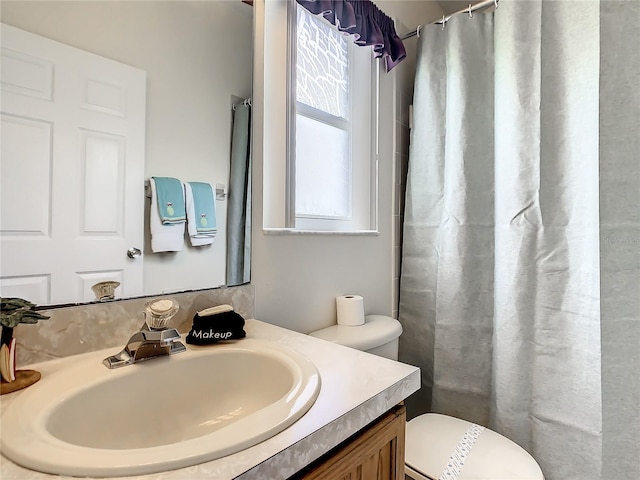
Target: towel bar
[{"x": 221, "y": 190}]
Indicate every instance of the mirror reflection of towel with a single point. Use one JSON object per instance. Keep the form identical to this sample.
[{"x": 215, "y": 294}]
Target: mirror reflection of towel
[
  {"x": 164, "y": 237},
  {"x": 170, "y": 199},
  {"x": 201, "y": 213}
]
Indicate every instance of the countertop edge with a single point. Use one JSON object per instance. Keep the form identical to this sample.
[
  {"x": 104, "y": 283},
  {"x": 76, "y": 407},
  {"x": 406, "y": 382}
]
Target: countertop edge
[{"x": 299, "y": 455}]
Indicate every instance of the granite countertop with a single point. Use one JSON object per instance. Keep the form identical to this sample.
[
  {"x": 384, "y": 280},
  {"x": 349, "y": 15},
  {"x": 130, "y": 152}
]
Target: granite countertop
[{"x": 357, "y": 388}]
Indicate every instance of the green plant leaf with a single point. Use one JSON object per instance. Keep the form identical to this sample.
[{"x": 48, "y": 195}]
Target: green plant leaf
[{"x": 14, "y": 311}]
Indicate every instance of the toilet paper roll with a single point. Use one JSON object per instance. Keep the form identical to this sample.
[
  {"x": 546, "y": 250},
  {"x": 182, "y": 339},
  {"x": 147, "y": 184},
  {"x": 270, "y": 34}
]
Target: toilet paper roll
[{"x": 350, "y": 310}]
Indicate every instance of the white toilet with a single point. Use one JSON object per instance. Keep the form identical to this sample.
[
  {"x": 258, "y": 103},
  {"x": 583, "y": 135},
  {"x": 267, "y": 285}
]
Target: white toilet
[{"x": 439, "y": 446}]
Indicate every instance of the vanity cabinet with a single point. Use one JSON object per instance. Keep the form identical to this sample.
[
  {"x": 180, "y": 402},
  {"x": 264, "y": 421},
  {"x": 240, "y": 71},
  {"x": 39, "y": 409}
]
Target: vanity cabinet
[{"x": 375, "y": 453}]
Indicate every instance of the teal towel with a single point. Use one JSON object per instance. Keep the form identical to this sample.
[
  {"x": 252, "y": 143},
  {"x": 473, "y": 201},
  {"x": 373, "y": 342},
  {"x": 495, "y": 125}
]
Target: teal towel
[
  {"x": 170, "y": 194},
  {"x": 204, "y": 207}
]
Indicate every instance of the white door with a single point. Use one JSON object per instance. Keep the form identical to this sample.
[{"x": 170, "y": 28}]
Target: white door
[{"x": 72, "y": 171}]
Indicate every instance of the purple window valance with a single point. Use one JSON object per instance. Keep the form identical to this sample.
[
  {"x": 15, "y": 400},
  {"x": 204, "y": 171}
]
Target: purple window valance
[{"x": 364, "y": 20}]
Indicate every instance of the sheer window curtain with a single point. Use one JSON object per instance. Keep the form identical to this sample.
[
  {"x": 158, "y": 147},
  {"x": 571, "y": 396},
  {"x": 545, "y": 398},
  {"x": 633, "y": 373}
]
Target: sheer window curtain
[{"x": 507, "y": 298}]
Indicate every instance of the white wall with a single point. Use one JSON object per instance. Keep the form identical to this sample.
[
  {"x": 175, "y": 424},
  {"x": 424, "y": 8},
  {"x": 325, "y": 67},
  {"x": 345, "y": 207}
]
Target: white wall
[
  {"x": 408, "y": 14},
  {"x": 411, "y": 12},
  {"x": 297, "y": 277},
  {"x": 197, "y": 55}
]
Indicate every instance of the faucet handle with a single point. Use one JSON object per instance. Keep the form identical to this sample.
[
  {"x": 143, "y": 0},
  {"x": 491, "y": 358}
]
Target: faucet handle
[{"x": 159, "y": 312}]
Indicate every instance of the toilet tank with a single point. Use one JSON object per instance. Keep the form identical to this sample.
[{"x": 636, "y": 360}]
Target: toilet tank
[{"x": 379, "y": 335}]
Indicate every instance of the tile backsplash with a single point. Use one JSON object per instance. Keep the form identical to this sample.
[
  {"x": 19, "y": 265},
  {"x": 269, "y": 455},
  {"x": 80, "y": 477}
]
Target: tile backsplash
[{"x": 85, "y": 328}]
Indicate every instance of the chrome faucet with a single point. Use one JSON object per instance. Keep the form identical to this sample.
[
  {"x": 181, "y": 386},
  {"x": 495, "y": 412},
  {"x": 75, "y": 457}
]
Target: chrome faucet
[{"x": 154, "y": 338}]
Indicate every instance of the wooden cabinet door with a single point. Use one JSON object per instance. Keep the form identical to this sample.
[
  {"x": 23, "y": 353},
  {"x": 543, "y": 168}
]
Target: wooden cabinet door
[{"x": 376, "y": 453}]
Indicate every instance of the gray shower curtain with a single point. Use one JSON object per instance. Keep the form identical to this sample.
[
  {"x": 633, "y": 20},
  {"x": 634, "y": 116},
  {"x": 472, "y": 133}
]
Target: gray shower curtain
[
  {"x": 508, "y": 298},
  {"x": 239, "y": 208}
]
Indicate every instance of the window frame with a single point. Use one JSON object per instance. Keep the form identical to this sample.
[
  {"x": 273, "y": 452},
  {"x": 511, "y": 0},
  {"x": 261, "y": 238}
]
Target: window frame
[
  {"x": 319, "y": 223},
  {"x": 340, "y": 123}
]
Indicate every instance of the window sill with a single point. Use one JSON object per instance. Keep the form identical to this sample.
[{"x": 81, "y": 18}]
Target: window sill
[{"x": 343, "y": 233}]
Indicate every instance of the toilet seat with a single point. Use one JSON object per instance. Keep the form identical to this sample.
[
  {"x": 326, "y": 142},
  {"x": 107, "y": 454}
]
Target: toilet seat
[{"x": 431, "y": 440}]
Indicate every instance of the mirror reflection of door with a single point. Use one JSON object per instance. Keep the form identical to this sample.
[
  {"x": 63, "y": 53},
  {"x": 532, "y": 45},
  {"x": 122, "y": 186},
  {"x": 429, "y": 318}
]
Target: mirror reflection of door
[
  {"x": 198, "y": 62},
  {"x": 73, "y": 127}
]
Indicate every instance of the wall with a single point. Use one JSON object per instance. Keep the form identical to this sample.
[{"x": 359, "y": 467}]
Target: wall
[
  {"x": 408, "y": 15},
  {"x": 402, "y": 98},
  {"x": 297, "y": 277},
  {"x": 192, "y": 75},
  {"x": 85, "y": 328}
]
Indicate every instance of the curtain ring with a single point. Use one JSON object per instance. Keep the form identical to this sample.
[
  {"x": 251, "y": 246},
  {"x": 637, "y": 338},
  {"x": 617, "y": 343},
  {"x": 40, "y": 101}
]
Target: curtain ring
[
  {"x": 444, "y": 21},
  {"x": 470, "y": 12},
  {"x": 495, "y": 2},
  {"x": 418, "y": 31}
]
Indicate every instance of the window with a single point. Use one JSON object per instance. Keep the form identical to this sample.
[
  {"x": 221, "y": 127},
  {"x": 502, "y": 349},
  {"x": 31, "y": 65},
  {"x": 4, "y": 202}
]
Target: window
[{"x": 331, "y": 160}]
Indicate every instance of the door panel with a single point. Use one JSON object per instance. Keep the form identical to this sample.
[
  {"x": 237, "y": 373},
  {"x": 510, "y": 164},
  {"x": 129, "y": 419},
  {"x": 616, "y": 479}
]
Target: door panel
[
  {"x": 72, "y": 164},
  {"x": 103, "y": 165},
  {"x": 25, "y": 141}
]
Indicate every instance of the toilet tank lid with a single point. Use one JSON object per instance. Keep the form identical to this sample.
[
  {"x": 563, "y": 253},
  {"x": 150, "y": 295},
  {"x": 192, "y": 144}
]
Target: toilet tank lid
[{"x": 376, "y": 331}]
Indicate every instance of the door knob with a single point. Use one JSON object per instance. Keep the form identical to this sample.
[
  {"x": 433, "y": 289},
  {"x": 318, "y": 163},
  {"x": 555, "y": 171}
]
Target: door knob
[{"x": 134, "y": 252}]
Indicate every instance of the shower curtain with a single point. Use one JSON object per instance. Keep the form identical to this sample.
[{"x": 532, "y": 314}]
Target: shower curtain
[
  {"x": 239, "y": 209},
  {"x": 523, "y": 171}
]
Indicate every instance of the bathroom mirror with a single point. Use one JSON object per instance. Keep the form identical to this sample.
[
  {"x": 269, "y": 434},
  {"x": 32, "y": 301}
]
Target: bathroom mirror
[{"x": 198, "y": 57}]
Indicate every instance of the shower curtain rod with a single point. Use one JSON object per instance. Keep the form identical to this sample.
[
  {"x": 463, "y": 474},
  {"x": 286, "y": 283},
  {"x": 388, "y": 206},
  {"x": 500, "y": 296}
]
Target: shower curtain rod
[
  {"x": 445, "y": 18},
  {"x": 246, "y": 102}
]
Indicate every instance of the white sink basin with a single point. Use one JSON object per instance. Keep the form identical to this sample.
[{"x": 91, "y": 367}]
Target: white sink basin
[{"x": 166, "y": 413}]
